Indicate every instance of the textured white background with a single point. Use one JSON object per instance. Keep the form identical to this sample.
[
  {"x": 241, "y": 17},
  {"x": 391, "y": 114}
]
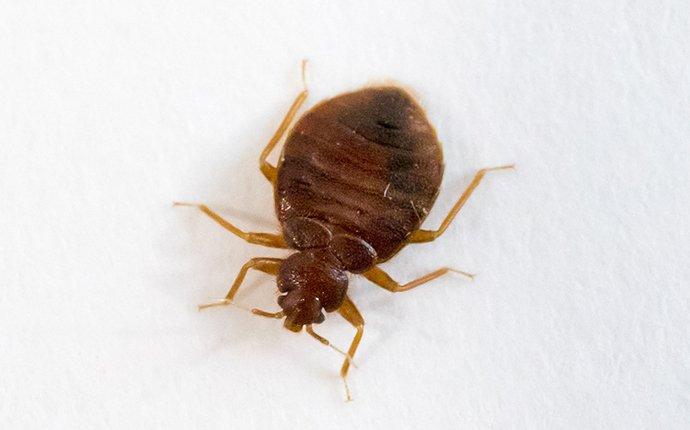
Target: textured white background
[{"x": 579, "y": 317}]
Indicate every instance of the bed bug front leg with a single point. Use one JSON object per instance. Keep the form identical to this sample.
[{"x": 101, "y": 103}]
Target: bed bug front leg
[
  {"x": 266, "y": 265},
  {"x": 268, "y": 169},
  {"x": 420, "y": 236},
  {"x": 383, "y": 280},
  {"x": 266, "y": 239}
]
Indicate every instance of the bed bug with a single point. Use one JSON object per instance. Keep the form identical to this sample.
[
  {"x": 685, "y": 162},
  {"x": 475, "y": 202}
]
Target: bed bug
[{"x": 357, "y": 176}]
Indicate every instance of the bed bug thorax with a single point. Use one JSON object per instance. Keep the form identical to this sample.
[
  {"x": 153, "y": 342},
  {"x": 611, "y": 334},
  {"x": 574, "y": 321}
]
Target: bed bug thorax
[{"x": 315, "y": 278}]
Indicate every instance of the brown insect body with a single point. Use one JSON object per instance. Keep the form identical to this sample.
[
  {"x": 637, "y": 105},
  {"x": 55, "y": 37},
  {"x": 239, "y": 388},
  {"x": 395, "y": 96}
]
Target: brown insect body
[{"x": 357, "y": 176}]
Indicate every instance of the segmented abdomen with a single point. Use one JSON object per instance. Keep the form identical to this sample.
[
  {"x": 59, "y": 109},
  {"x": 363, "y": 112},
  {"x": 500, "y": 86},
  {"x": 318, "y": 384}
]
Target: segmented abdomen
[{"x": 366, "y": 162}]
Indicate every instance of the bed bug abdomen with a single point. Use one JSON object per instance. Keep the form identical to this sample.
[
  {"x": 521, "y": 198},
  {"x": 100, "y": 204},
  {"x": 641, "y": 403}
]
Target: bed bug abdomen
[{"x": 365, "y": 163}]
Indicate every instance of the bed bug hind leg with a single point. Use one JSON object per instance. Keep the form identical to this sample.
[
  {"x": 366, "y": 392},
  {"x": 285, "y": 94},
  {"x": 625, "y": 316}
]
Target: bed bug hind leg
[
  {"x": 266, "y": 239},
  {"x": 266, "y": 168},
  {"x": 383, "y": 280},
  {"x": 349, "y": 311},
  {"x": 421, "y": 236},
  {"x": 266, "y": 265}
]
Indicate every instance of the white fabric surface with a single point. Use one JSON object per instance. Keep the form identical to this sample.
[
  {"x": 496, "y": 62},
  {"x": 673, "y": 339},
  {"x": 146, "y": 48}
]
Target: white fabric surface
[{"x": 579, "y": 317}]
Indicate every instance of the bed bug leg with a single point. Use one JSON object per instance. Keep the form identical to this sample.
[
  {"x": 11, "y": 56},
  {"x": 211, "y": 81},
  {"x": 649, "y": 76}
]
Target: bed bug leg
[
  {"x": 268, "y": 169},
  {"x": 266, "y": 265},
  {"x": 266, "y": 239},
  {"x": 420, "y": 236},
  {"x": 349, "y": 311},
  {"x": 383, "y": 280}
]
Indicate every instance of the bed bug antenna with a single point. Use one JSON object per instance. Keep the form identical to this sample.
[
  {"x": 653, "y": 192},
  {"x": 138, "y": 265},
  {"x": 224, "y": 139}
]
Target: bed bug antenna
[
  {"x": 277, "y": 315},
  {"x": 326, "y": 342},
  {"x": 348, "y": 357}
]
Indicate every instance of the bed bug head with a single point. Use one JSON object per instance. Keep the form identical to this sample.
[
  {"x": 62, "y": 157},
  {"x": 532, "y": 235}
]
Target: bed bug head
[{"x": 311, "y": 282}]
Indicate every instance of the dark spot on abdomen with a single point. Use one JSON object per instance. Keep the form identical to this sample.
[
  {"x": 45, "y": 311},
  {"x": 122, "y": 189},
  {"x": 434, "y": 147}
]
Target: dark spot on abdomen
[{"x": 387, "y": 125}]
